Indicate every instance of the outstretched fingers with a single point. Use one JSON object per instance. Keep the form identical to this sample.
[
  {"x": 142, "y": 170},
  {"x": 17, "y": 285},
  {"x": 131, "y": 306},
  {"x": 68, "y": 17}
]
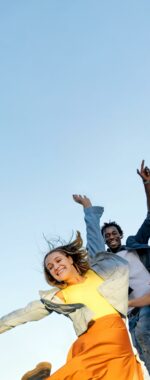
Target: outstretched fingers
[{"x": 82, "y": 200}]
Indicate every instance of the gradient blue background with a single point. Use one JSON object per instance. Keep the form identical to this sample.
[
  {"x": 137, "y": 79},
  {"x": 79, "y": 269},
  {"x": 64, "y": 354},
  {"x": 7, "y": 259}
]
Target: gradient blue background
[{"x": 74, "y": 118}]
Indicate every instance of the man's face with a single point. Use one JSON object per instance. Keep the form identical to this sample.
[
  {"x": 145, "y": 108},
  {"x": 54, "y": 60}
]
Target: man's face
[{"x": 112, "y": 238}]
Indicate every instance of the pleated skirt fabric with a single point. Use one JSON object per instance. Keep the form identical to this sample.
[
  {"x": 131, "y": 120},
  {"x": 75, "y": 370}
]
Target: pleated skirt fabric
[{"x": 104, "y": 352}]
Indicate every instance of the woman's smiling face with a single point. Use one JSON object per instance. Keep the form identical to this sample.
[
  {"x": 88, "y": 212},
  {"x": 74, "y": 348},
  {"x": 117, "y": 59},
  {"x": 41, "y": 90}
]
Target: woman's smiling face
[{"x": 60, "y": 266}]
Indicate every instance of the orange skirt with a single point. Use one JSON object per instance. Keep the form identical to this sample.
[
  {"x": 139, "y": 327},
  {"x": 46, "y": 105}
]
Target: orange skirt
[{"x": 102, "y": 353}]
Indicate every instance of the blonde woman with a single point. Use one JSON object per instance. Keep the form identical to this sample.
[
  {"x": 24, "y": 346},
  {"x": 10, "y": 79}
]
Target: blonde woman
[{"x": 95, "y": 297}]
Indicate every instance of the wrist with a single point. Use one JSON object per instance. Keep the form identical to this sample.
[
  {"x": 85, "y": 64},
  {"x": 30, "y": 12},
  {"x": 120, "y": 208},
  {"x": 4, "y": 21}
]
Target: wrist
[
  {"x": 146, "y": 181},
  {"x": 87, "y": 205}
]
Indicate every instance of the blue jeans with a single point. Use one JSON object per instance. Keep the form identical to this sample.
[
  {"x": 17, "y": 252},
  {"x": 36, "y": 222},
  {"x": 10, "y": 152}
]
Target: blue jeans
[{"x": 139, "y": 325}]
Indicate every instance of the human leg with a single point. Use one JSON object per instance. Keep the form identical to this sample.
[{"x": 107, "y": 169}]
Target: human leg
[
  {"x": 102, "y": 353},
  {"x": 140, "y": 332}
]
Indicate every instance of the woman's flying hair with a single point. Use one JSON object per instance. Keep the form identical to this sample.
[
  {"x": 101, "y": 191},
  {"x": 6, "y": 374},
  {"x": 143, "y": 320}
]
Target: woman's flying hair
[{"x": 76, "y": 251}]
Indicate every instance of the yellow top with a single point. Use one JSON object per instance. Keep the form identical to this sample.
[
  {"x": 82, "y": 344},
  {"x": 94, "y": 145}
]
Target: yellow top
[{"x": 86, "y": 292}]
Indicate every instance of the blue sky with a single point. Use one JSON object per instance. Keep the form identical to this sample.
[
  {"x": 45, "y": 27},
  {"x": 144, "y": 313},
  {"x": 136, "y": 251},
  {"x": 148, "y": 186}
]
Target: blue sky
[{"x": 74, "y": 118}]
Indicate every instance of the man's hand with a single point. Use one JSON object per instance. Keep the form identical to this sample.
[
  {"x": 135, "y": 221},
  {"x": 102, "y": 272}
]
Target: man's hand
[
  {"x": 144, "y": 172},
  {"x": 84, "y": 201},
  {"x": 140, "y": 301}
]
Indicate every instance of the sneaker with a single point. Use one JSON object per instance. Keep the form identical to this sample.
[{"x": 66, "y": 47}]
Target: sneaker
[{"x": 40, "y": 372}]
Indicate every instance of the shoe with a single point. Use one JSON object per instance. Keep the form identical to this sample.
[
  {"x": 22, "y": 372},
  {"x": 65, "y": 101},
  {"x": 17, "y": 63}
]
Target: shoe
[{"x": 40, "y": 372}]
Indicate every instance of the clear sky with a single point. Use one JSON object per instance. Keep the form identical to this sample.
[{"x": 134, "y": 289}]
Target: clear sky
[{"x": 74, "y": 118}]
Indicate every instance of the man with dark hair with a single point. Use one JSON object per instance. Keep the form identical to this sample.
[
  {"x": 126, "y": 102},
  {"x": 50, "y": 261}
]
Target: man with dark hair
[
  {"x": 112, "y": 224},
  {"x": 136, "y": 252},
  {"x": 112, "y": 234}
]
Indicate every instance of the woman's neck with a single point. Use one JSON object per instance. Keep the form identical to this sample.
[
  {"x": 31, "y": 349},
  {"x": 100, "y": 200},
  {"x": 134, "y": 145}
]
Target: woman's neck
[{"x": 76, "y": 279}]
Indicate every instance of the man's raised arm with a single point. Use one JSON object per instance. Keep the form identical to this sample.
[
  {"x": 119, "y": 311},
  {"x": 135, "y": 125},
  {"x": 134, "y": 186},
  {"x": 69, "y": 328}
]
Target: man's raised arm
[
  {"x": 95, "y": 241},
  {"x": 143, "y": 233}
]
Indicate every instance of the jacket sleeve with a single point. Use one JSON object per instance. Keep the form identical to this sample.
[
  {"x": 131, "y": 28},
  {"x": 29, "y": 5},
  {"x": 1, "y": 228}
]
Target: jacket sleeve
[
  {"x": 34, "y": 311},
  {"x": 141, "y": 238},
  {"x": 95, "y": 241}
]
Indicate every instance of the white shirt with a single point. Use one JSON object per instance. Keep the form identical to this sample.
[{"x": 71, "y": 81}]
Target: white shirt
[{"x": 139, "y": 277}]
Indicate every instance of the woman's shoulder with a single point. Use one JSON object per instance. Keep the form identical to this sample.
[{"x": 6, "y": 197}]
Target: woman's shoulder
[
  {"x": 48, "y": 294},
  {"x": 60, "y": 295}
]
